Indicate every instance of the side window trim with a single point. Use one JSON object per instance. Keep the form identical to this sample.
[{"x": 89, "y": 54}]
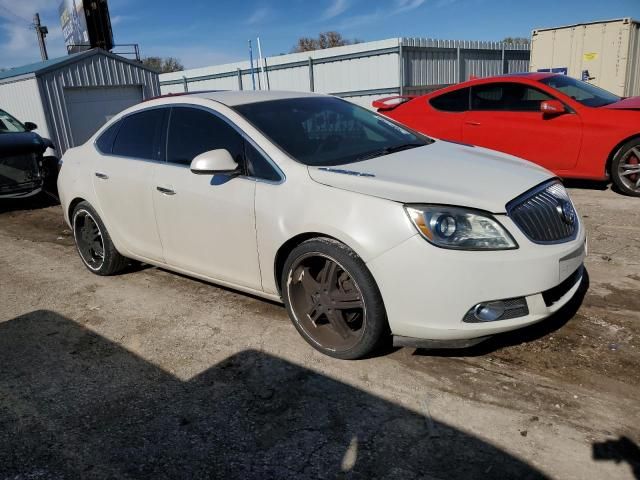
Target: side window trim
[
  {"x": 241, "y": 132},
  {"x": 121, "y": 122}
]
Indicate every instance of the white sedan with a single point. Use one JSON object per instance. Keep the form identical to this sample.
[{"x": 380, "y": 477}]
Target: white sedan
[{"x": 362, "y": 227}]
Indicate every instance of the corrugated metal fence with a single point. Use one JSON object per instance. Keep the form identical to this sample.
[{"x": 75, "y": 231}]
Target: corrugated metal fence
[{"x": 362, "y": 72}]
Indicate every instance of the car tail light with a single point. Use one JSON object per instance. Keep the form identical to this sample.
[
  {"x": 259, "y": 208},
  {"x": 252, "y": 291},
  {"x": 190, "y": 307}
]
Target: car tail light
[{"x": 389, "y": 103}]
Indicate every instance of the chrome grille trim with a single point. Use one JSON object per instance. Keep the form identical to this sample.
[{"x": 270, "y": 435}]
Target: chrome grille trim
[{"x": 537, "y": 213}]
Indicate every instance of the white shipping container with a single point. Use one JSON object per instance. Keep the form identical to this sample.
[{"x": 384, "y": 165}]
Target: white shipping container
[{"x": 606, "y": 54}]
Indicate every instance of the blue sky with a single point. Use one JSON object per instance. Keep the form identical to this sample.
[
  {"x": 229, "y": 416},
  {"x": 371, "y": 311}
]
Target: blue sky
[{"x": 204, "y": 32}]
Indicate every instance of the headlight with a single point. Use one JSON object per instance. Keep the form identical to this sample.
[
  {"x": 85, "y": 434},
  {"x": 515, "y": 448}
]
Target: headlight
[{"x": 460, "y": 228}]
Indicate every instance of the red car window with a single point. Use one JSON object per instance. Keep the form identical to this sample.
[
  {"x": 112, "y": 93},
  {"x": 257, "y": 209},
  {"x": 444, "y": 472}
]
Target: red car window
[
  {"x": 456, "y": 101},
  {"x": 513, "y": 97}
]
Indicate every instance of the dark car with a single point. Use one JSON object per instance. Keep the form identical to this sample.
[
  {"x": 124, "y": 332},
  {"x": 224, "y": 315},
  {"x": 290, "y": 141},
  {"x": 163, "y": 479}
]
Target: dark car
[{"x": 21, "y": 151}]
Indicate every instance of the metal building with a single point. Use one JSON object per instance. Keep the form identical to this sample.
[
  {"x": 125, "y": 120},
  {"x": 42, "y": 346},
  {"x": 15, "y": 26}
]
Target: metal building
[
  {"x": 70, "y": 97},
  {"x": 362, "y": 72},
  {"x": 605, "y": 53}
]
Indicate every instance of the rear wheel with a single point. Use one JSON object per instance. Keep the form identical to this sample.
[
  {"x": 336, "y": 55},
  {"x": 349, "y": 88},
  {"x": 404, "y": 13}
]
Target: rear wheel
[
  {"x": 93, "y": 242},
  {"x": 333, "y": 300},
  {"x": 625, "y": 168}
]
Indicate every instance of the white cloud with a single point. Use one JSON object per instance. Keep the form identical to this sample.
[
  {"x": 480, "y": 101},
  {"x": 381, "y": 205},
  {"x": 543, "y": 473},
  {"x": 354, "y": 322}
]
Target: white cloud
[
  {"x": 407, "y": 5},
  {"x": 400, "y": 7},
  {"x": 120, "y": 19},
  {"x": 336, "y": 8},
  {"x": 259, "y": 16},
  {"x": 20, "y": 45},
  {"x": 18, "y": 41}
]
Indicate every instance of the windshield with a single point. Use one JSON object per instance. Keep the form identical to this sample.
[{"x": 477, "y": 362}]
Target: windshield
[
  {"x": 327, "y": 131},
  {"x": 582, "y": 92},
  {"x": 8, "y": 124}
]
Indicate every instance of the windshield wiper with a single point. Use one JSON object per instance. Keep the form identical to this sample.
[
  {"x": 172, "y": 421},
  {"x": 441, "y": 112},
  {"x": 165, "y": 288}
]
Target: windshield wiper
[{"x": 388, "y": 150}]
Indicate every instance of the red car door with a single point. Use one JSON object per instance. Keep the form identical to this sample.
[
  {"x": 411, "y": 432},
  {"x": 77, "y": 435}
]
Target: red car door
[{"x": 506, "y": 116}]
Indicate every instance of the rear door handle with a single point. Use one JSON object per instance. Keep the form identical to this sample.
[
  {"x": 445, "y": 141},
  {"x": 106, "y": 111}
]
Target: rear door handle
[
  {"x": 473, "y": 124},
  {"x": 103, "y": 176},
  {"x": 165, "y": 191}
]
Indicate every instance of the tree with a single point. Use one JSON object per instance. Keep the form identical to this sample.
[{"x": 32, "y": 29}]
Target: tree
[
  {"x": 163, "y": 65},
  {"x": 324, "y": 40},
  {"x": 517, "y": 40}
]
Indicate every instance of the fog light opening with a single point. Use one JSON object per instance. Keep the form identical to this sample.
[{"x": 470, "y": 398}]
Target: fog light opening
[{"x": 489, "y": 312}]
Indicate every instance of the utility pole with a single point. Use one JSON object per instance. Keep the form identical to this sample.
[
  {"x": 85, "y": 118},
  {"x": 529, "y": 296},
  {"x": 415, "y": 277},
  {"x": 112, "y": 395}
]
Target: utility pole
[{"x": 41, "y": 31}]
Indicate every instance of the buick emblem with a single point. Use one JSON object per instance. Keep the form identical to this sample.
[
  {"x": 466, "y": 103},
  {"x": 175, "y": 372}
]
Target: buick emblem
[{"x": 566, "y": 212}]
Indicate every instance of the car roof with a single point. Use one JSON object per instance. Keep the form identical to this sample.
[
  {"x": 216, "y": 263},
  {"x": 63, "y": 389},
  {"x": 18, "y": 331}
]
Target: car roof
[
  {"x": 535, "y": 76},
  {"x": 232, "y": 98},
  {"x": 527, "y": 76}
]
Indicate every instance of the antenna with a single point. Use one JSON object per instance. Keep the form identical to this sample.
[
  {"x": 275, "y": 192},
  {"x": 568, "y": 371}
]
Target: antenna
[{"x": 253, "y": 78}]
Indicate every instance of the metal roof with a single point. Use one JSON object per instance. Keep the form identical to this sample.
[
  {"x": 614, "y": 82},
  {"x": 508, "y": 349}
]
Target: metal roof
[
  {"x": 36, "y": 67},
  {"x": 55, "y": 63},
  {"x": 595, "y": 22}
]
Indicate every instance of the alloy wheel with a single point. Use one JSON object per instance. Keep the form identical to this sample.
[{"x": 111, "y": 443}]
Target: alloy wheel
[
  {"x": 88, "y": 239},
  {"x": 326, "y": 302},
  {"x": 629, "y": 169}
]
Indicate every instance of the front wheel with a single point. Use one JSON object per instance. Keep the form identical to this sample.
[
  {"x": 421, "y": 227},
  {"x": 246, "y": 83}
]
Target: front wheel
[
  {"x": 625, "y": 168},
  {"x": 333, "y": 300},
  {"x": 93, "y": 242}
]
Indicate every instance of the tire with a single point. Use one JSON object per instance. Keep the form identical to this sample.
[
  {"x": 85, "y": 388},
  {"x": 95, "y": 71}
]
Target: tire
[
  {"x": 345, "y": 320},
  {"x": 625, "y": 168},
  {"x": 99, "y": 255}
]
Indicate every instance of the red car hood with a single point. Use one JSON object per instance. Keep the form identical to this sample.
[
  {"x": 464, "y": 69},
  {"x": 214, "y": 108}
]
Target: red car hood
[{"x": 631, "y": 103}]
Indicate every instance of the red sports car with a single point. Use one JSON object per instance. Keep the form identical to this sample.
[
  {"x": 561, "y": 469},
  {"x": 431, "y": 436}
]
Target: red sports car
[{"x": 572, "y": 128}]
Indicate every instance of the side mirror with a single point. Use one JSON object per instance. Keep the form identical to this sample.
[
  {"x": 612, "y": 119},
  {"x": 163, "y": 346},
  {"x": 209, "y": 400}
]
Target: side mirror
[
  {"x": 552, "y": 107},
  {"x": 30, "y": 126},
  {"x": 215, "y": 162}
]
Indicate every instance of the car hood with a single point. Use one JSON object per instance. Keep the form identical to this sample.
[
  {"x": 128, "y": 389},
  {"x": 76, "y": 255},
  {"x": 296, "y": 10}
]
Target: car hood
[
  {"x": 631, "y": 103},
  {"x": 443, "y": 173},
  {"x": 20, "y": 143}
]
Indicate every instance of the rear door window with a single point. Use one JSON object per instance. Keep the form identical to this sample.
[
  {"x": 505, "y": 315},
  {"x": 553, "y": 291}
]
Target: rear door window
[
  {"x": 511, "y": 97},
  {"x": 105, "y": 141},
  {"x": 193, "y": 131},
  {"x": 456, "y": 101},
  {"x": 139, "y": 136}
]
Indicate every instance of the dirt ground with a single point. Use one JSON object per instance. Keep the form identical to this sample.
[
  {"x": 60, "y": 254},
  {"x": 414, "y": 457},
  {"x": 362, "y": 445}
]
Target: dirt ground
[{"x": 150, "y": 374}]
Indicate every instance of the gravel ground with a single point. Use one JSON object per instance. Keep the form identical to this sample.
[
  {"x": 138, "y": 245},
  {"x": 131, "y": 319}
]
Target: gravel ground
[{"x": 150, "y": 374}]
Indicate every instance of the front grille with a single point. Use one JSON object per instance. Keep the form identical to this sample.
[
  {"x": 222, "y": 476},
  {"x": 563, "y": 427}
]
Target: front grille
[
  {"x": 554, "y": 294},
  {"x": 545, "y": 214},
  {"x": 17, "y": 170}
]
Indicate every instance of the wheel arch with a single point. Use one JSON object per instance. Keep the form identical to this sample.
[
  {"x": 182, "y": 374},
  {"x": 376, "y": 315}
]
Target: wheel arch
[
  {"x": 616, "y": 149},
  {"x": 72, "y": 205},
  {"x": 287, "y": 247}
]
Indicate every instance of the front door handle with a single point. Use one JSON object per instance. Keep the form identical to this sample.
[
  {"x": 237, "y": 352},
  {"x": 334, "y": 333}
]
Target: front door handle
[
  {"x": 103, "y": 176},
  {"x": 473, "y": 124},
  {"x": 165, "y": 191}
]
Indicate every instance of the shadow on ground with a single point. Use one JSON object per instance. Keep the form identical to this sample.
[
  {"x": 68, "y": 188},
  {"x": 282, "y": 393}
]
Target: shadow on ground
[
  {"x": 586, "y": 184},
  {"x": 44, "y": 199},
  {"x": 75, "y": 405},
  {"x": 522, "y": 335},
  {"x": 621, "y": 450}
]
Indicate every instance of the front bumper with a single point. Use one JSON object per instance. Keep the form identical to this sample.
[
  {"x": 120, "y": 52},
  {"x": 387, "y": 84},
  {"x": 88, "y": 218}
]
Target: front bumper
[{"x": 427, "y": 290}]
